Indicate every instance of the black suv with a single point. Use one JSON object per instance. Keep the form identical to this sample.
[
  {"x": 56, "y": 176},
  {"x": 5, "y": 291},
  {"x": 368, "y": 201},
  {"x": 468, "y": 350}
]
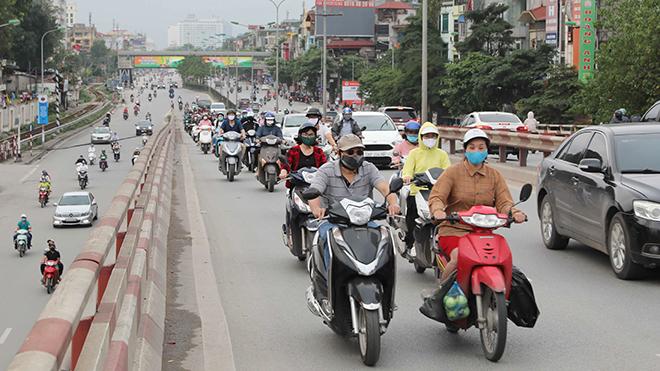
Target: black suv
[{"x": 601, "y": 187}]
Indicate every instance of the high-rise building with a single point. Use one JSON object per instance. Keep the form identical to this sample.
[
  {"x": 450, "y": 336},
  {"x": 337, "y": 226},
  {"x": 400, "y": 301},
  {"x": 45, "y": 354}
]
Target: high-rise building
[
  {"x": 71, "y": 14},
  {"x": 172, "y": 36},
  {"x": 60, "y": 8},
  {"x": 194, "y": 31}
]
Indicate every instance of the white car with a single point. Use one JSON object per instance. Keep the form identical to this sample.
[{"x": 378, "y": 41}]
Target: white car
[
  {"x": 101, "y": 134},
  {"x": 75, "y": 208},
  {"x": 380, "y": 135},
  {"x": 218, "y": 108},
  {"x": 501, "y": 121},
  {"x": 265, "y": 87},
  {"x": 290, "y": 125}
]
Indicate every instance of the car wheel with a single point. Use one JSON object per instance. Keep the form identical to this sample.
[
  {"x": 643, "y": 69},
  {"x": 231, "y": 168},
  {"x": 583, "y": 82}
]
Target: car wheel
[
  {"x": 551, "y": 239},
  {"x": 619, "y": 249}
]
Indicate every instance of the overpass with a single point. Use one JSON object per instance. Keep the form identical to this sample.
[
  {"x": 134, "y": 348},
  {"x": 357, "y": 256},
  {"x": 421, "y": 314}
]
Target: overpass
[{"x": 130, "y": 60}]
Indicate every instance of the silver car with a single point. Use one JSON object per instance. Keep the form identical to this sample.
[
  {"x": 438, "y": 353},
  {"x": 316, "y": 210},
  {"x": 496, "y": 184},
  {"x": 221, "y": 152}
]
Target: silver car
[
  {"x": 75, "y": 208},
  {"x": 290, "y": 125},
  {"x": 101, "y": 134}
]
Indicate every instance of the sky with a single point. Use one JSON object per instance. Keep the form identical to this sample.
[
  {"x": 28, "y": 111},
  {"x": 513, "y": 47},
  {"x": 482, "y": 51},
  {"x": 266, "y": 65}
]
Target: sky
[{"x": 153, "y": 17}]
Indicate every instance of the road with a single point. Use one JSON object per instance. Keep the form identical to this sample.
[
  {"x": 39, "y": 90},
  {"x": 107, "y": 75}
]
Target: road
[
  {"x": 23, "y": 296},
  {"x": 589, "y": 318}
]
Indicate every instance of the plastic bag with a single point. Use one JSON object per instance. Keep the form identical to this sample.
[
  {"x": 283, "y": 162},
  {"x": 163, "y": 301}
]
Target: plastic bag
[
  {"x": 522, "y": 309},
  {"x": 456, "y": 303}
]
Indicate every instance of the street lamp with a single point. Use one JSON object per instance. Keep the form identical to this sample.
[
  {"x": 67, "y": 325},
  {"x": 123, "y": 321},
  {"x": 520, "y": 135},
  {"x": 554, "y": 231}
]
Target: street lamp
[
  {"x": 12, "y": 22},
  {"x": 42, "y": 54},
  {"x": 252, "y": 53},
  {"x": 277, "y": 56},
  {"x": 425, "y": 66}
]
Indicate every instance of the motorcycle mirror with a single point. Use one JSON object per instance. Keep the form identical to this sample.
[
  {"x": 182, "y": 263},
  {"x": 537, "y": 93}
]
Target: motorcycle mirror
[
  {"x": 311, "y": 193},
  {"x": 284, "y": 160},
  {"x": 363, "y": 128},
  {"x": 525, "y": 192},
  {"x": 55, "y": 204},
  {"x": 396, "y": 185},
  {"x": 395, "y": 153}
]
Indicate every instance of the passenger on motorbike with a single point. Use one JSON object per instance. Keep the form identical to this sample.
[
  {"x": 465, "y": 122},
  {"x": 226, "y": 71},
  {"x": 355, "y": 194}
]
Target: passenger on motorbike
[
  {"x": 305, "y": 154},
  {"x": 410, "y": 142},
  {"x": 81, "y": 160},
  {"x": 464, "y": 185},
  {"x": 45, "y": 176},
  {"x": 23, "y": 224},
  {"x": 427, "y": 156},
  {"x": 323, "y": 132},
  {"x": 350, "y": 176},
  {"x": 51, "y": 253}
]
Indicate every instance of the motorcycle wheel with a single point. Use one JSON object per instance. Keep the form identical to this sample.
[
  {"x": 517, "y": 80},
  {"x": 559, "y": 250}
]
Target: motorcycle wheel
[
  {"x": 21, "y": 251},
  {"x": 296, "y": 238},
  {"x": 205, "y": 148},
  {"x": 42, "y": 201},
  {"x": 82, "y": 184},
  {"x": 369, "y": 336},
  {"x": 271, "y": 182},
  {"x": 493, "y": 335},
  {"x": 418, "y": 268},
  {"x": 49, "y": 285},
  {"x": 230, "y": 173}
]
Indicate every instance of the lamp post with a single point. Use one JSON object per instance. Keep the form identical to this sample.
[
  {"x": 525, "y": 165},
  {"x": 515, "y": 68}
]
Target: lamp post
[
  {"x": 277, "y": 56},
  {"x": 425, "y": 81},
  {"x": 252, "y": 52},
  {"x": 42, "y": 54},
  {"x": 11, "y": 22}
]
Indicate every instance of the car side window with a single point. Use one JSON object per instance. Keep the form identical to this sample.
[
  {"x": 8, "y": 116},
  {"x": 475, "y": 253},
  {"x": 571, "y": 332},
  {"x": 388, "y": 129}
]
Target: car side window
[
  {"x": 573, "y": 152},
  {"x": 652, "y": 115},
  {"x": 598, "y": 149}
]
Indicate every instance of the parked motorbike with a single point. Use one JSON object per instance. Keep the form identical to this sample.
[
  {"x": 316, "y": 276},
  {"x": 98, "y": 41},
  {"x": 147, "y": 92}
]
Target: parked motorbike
[
  {"x": 115, "y": 152},
  {"x": 82, "y": 179},
  {"x": 51, "y": 275},
  {"x": 484, "y": 272},
  {"x": 251, "y": 150},
  {"x": 22, "y": 242},
  {"x": 230, "y": 158},
  {"x": 300, "y": 226},
  {"x": 270, "y": 161},
  {"x": 43, "y": 196},
  {"x": 103, "y": 164},
  {"x": 355, "y": 295},
  {"x": 205, "y": 138}
]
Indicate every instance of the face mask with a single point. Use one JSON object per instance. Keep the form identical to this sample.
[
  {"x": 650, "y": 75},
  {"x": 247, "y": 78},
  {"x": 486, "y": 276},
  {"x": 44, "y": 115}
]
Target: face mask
[
  {"x": 23, "y": 219},
  {"x": 412, "y": 138},
  {"x": 230, "y": 117},
  {"x": 314, "y": 121},
  {"x": 270, "y": 122},
  {"x": 476, "y": 157},
  {"x": 352, "y": 162},
  {"x": 429, "y": 142},
  {"x": 347, "y": 118},
  {"x": 309, "y": 141}
]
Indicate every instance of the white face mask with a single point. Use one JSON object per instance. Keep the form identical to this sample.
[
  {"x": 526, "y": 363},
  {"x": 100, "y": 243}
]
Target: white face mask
[
  {"x": 429, "y": 142},
  {"x": 314, "y": 121},
  {"x": 231, "y": 117}
]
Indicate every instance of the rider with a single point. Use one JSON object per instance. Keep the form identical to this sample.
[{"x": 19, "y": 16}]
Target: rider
[
  {"x": 91, "y": 150},
  {"x": 81, "y": 160},
  {"x": 125, "y": 111},
  {"x": 51, "y": 253},
  {"x": 136, "y": 152},
  {"x": 323, "y": 132},
  {"x": 103, "y": 157},
  {"x": 249, "y": 123},
  {"x": 464, "y": 185},
  {"x": 44, "y": 183},
  {"x": 346, "y": 126},
  {"x": 205, "y": 121},
  {"x": 269, "y": 128},
  {"x": 25, "y": 225},
  {"x": 45, "y": 176},
  {"x": 351, "y": 176},
  {"x": 427, "y": 156},
  {"x": 114, "y": 137},
  {"x": 410, "y": 142},
  {"x": 148, "y": 116},
  {"x": 619, "y": 117},
  {"x": 306, "y": 153}
]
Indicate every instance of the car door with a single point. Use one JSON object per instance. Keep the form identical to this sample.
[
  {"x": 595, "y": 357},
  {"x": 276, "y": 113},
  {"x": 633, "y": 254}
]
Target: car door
[
  {"x": 593, "y": 193},
  {"x": 561, "y": 173},
  {"x": 652, "y": 114},
  {"x": 94, "y": 208}
]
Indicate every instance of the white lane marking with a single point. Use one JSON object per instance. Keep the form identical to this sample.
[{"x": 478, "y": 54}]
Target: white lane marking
[
  {"x": 23, "y": 179},
  {"x": 5, "y": 335},
  {"x": 218, "y": 354}
]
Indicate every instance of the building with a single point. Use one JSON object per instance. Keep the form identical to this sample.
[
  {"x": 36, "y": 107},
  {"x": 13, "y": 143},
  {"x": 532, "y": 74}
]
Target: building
[
  {"x": 80, "y": 37},
  {"x": 390, "y": 19},
  {"x": 71, "y": 14},
  {"x": 60, "y": 7},
  {"x": 194, "y": 31},
  {"x": 172, "y": 36}
]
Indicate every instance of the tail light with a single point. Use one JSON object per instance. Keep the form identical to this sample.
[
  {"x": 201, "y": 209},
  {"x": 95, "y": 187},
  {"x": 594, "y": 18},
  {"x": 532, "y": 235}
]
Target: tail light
[
  {"x": 417, "y": 120},
  {"x": 522, "y": 128},
  {"x": 484, "y": 127},
  {"x": 538, "y": 169}
]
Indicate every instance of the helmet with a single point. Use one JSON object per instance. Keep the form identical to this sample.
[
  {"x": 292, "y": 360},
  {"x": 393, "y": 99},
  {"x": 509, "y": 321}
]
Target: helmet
[
  {"x": 250, "y": 114},
  {"x": 412, "y": 126},
  {"x": 305, "y": 126},
  {"x": 270, "y": 115},
  {"x": 347, "y": 111},
  {"x": 137, "y": 148},
  {"x": 313, "y": 111},
  {"x": 23, "y": 216},
  {"x": 618, "y": 114},
  {"x": 44, "y": 172},
  {"x": 231, "y": 112},
  {"x": 473, "y": 134},
  {"x": 81, "y": 156},
  {"x": 623, "y": 111}
]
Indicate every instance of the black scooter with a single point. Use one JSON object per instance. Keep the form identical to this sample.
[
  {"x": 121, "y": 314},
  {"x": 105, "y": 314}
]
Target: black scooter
[
  {"x": 300, "y": 226},
  {"x": 355, "y": 296},
  {"x": 270, "y": 161}
]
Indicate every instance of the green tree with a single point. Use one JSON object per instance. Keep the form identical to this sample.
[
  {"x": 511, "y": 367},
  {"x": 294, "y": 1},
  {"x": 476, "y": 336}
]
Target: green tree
[
  {"x": 379, "y": 84},
  {"x": 491, "y": 34},
  {"x": 193, "y": 69},
  {"x": 554, "y": 96},
  {"x": 26, "y": 49},
  {"x": 11, "y": 9},
  {"x": 99, "y": 50}
]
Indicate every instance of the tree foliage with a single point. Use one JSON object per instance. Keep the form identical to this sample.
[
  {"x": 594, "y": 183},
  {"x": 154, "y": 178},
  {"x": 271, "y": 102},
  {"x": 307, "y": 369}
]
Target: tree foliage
[
  {"x": 491, "y": 34},
  {"x": 10, "y": 9},
  {"x": 26, "y": 48},
  {"x": 554, "y": 96},
  {"x": 193, "y": 69}
]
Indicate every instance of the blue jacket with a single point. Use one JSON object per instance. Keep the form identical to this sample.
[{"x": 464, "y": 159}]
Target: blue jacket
[
  {"x": 237, "y": 126},
  {"x": 269, "y": 130}
]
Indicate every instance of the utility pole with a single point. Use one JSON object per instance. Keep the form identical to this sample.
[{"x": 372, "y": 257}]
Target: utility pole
[
  {"x": 277, "y": 56},
  {"x": 325, "y": 57},
  {"x": 425, "y": 81}
]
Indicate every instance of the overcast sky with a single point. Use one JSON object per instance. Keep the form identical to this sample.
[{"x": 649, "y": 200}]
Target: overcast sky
[{"x": 154, "y": 16}]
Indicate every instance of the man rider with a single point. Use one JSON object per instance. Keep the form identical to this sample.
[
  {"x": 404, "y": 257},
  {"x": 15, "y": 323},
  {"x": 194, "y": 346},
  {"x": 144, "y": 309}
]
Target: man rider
[
  {"x": 51, "y": 253},
  {"x": 81, "y": 160},
  {"x": 269, "y": 128},
  {"x": 91, "y": 150},
  {"x": 114, "y": 137},
  {"x": 103, "y": 157},
  {"x": 249, "y": 123},
  {"x": 346, "y": 126},
  {"x": 323, "y": 133},
  {"x": 351, "y": 176},
  {"x": 25, "y": 225},
  {"x": 232, "y": 124}
]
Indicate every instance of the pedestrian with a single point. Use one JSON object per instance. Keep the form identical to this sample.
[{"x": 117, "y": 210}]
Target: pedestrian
[{"x": 531, "y": 122}]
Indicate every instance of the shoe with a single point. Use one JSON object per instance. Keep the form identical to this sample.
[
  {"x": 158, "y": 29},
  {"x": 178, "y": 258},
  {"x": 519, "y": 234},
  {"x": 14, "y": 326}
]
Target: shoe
[{"x": 427, "y": 293}]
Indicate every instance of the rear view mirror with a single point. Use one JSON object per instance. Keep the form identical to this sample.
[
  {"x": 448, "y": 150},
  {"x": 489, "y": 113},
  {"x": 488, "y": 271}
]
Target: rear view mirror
[
  {"x": 363, "y": 128},
  {"x": 395, "y": 153},
  {"x": 55, "y": 204},
  {"x": 591, "y": 165},
  {"x": 284, "y": 160},
  {"x": 311, "y": 193},
  {"x": 525, "y": 192},
  {"x": 636, "y": 118},
  {"x": 396, "y": 185}
]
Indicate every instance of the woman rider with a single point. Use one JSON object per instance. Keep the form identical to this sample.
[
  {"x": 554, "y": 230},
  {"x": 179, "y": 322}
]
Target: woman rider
[
  {"x": 306, "y": 153},
  {"x": 410, "y": 142},
  {"x": 469, "y": 183}
]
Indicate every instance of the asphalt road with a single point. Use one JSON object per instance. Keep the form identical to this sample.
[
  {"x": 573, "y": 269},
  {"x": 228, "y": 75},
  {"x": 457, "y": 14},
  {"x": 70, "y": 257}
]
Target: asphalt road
[
  {"x": 22, "y": 295},
  {"x": 590, "y": 320}
]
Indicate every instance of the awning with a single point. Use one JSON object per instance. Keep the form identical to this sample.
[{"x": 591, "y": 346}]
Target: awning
[{"x": 533, "y": 15}]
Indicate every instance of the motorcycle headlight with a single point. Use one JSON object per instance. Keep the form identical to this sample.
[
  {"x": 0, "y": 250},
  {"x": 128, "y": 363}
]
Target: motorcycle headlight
[
  {"x": 647, "y": 210},
  {"x": 309, "y": 177},
  {"x": 484, "y": 221},
  {"x": 301, "y": 204},
  {"x": 359, "y": 215}
]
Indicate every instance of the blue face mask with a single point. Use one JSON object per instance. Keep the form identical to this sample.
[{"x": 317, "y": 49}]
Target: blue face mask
[
  {"x": 412, "y": 138},
  {"x": 347, "y": 118},
  {"x": 476, "y": 157}
]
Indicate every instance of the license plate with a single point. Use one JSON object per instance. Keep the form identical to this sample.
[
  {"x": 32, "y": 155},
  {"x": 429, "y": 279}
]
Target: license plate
[
  {"x": 377, "y": 154},
  {"x": 71, "y": 220}
]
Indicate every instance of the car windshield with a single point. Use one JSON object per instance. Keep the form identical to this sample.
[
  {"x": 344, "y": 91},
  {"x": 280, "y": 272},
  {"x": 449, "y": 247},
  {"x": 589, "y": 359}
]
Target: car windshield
[
  {"x": 632, "y": 153},
  {"x": 245, "y": 100},
  {"x": 401, "y": 114},
  {"x": 279, "y": 117},
  {"x": 144, "y": 123},
  {"x": 101, "y": 130},
  {"x": 294, "y": 121},
  {"x": 375, "y": 122},
  {"x": 74, "y": 200},
  {"x": 205, "y": 102},
  {"x": 509, "y": 118},
  {"x": 218, "y": 106}
]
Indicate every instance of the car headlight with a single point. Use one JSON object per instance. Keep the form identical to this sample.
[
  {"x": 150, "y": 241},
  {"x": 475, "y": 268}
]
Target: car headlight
[
  {"x": 359, "y": 215},
  {"x": 647, "y": 210},
  {"x": 86, "y": 213},
  {"x": 58, "y": 215},
  {"x": 484, "y": 221},
  {"x": 149, "y": 127}
]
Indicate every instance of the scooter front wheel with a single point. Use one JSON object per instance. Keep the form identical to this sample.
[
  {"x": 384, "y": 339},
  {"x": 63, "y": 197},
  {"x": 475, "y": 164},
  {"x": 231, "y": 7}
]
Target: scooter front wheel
[
  {"x": 49, "y": 285},
  {"x": 493, "y": 333},
  {"x": 369, "y": 336},
  {"x": 271, "y": 182},
  {"x": 230, "y": 173}
]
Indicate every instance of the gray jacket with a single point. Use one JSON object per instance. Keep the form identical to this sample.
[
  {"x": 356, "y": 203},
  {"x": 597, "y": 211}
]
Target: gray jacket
[{"x": 337, "y": 125}]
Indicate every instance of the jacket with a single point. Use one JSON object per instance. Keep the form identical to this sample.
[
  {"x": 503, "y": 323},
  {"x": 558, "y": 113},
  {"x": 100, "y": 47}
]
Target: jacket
[
  {"x": 269, "y": 130},
  {"x": 293, "y": 157},
  {"x": 337, "y": 125},
  {"x": 423, "y": 158}
]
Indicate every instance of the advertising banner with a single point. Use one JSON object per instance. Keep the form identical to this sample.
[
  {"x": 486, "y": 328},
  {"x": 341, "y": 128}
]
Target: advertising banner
[
  {"x": 143, "y": 61},
  {"x": 349, "y": 92},
  {"x": 551, "y": 18},
  {"x": 356, "y": 20},
  {"x": 43, "y": 109},
  {"x": 243, "y": 62},
  {"x": 587, "y": 40}
]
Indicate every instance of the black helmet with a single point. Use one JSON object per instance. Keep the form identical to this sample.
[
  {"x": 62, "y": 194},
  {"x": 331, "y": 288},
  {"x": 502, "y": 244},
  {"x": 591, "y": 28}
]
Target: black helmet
[
  {"x": 313, "y": 111},
  {"x": 618, "y": 114},
  {"x": 231, "y": 112}
]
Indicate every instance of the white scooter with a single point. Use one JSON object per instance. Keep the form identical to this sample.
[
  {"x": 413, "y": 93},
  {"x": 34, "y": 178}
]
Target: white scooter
[
  {"x": 205, "y": 138},
  {"x": 92, "y": 157}
]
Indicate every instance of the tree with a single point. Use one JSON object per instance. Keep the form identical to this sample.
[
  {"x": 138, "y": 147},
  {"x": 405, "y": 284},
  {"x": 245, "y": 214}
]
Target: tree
[
  {"x": 379, "y": 85},
  {"x": 26, "y": 49},
  {"x": 194, "y": 69},
  {"x": 99, "y": 50},
  {"x": 554, "y": 96},
  {"x": 491, "y": 34},
  {"x": 10, "y": 9}
]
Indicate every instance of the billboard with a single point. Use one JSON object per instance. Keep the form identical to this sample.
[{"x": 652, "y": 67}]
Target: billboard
[
  {"x": 357, "y": 18},
  {"x": 551, "y": 18},
  {"x": 142, "y": 61},
  {"x": 349, "y": 92},
  {"x": 587, "y": 40},
  {"x": 243, "y": 62}
]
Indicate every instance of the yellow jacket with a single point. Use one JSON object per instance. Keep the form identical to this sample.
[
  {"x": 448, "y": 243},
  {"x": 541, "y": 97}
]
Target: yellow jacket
[
  {"x": 44, "y": 185},
  {"x": 424, "y": 158}
]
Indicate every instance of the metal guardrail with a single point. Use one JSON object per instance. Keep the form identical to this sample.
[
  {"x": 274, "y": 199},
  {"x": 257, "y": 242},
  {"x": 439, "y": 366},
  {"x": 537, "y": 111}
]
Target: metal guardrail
[
  {"x": 559, "y": 129},
  {"x": 123, "y": 233}
]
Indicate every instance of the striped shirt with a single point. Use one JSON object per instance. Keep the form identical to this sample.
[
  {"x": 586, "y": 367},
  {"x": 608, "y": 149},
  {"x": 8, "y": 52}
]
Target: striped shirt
[
  {"x": 332, "y": 183},
  {"x": 464, "y": 185}
]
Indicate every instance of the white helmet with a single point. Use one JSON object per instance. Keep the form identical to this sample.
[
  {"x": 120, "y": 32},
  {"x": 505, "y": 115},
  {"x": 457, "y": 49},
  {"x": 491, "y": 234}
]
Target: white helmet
[
  {"x": 475, "y": 133},
  {"x": 23, "y": 216}
]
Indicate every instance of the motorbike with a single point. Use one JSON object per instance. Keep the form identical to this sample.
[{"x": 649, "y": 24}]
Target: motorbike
[
  {"x": 92, "y": 157},
  {"x": 135, "y": 112},
  {"x": 484, "y": 272},
  {"x": 299, "y": 227},
  {"x": 103, "y": 164},
  {"x": 205, "y": 138},
  {"x": 355, "y": 295},
  {"x": 43, "y": 196},
  {"x": 82, "y": 179},
  {"x": 195, "y": 133},
  {"x": 115, "y": 152},
  {"x": 230, "y": 158},
  {"x": 145, "y": 138},
  {"x": 149, "y": 97},
  {"x": 125, "y": 115},
  {"x": 270, "y": 161},
  {"x": 135, "y": 157},
  {"x": 180, "y": 106},
  {"x": 132, "y": 98},
  {"x": 22, "y": 242},
  {"x": 251, "y": 150},
  {"x": 51, "y": 275}
]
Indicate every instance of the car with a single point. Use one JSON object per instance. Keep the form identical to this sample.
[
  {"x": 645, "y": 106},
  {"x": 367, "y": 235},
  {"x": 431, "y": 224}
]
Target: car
[
  {"x": 502, "y": 121},
  {"x": 400, "y": 115},
  {"x": 243, "y": 103},
  {"x": 255, "y": 106},
  {"x": 652, "y": 115},
  {"x": 265, "y": 87},
  {"x": 75, "y": 208},
  {"x": 119, "y": 88},
  {"x": 601, "y": 187},
  {"x": 204, "y": 104},
  {"x": 161, "y": 85},
  {"x": 380, "y": 135},
  {"x": 218, "y": 108},
  {"x": 290, "y": 125},
  {"x": 101, "y": 134},
  {"x": 143, "y": 127},
  {"x": 330, "y": 116}
]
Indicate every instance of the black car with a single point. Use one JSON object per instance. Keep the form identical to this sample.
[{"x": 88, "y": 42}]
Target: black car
[
  {"x": 143, "y": 127},
  {"x": 601, "y": 187}
]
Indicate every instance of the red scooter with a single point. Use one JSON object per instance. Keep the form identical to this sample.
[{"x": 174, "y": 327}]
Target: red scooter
[
  {"x": 43, "y": 196},
  {"x": 51, "y": 275},
  {"x": 483, "y": 272}
]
